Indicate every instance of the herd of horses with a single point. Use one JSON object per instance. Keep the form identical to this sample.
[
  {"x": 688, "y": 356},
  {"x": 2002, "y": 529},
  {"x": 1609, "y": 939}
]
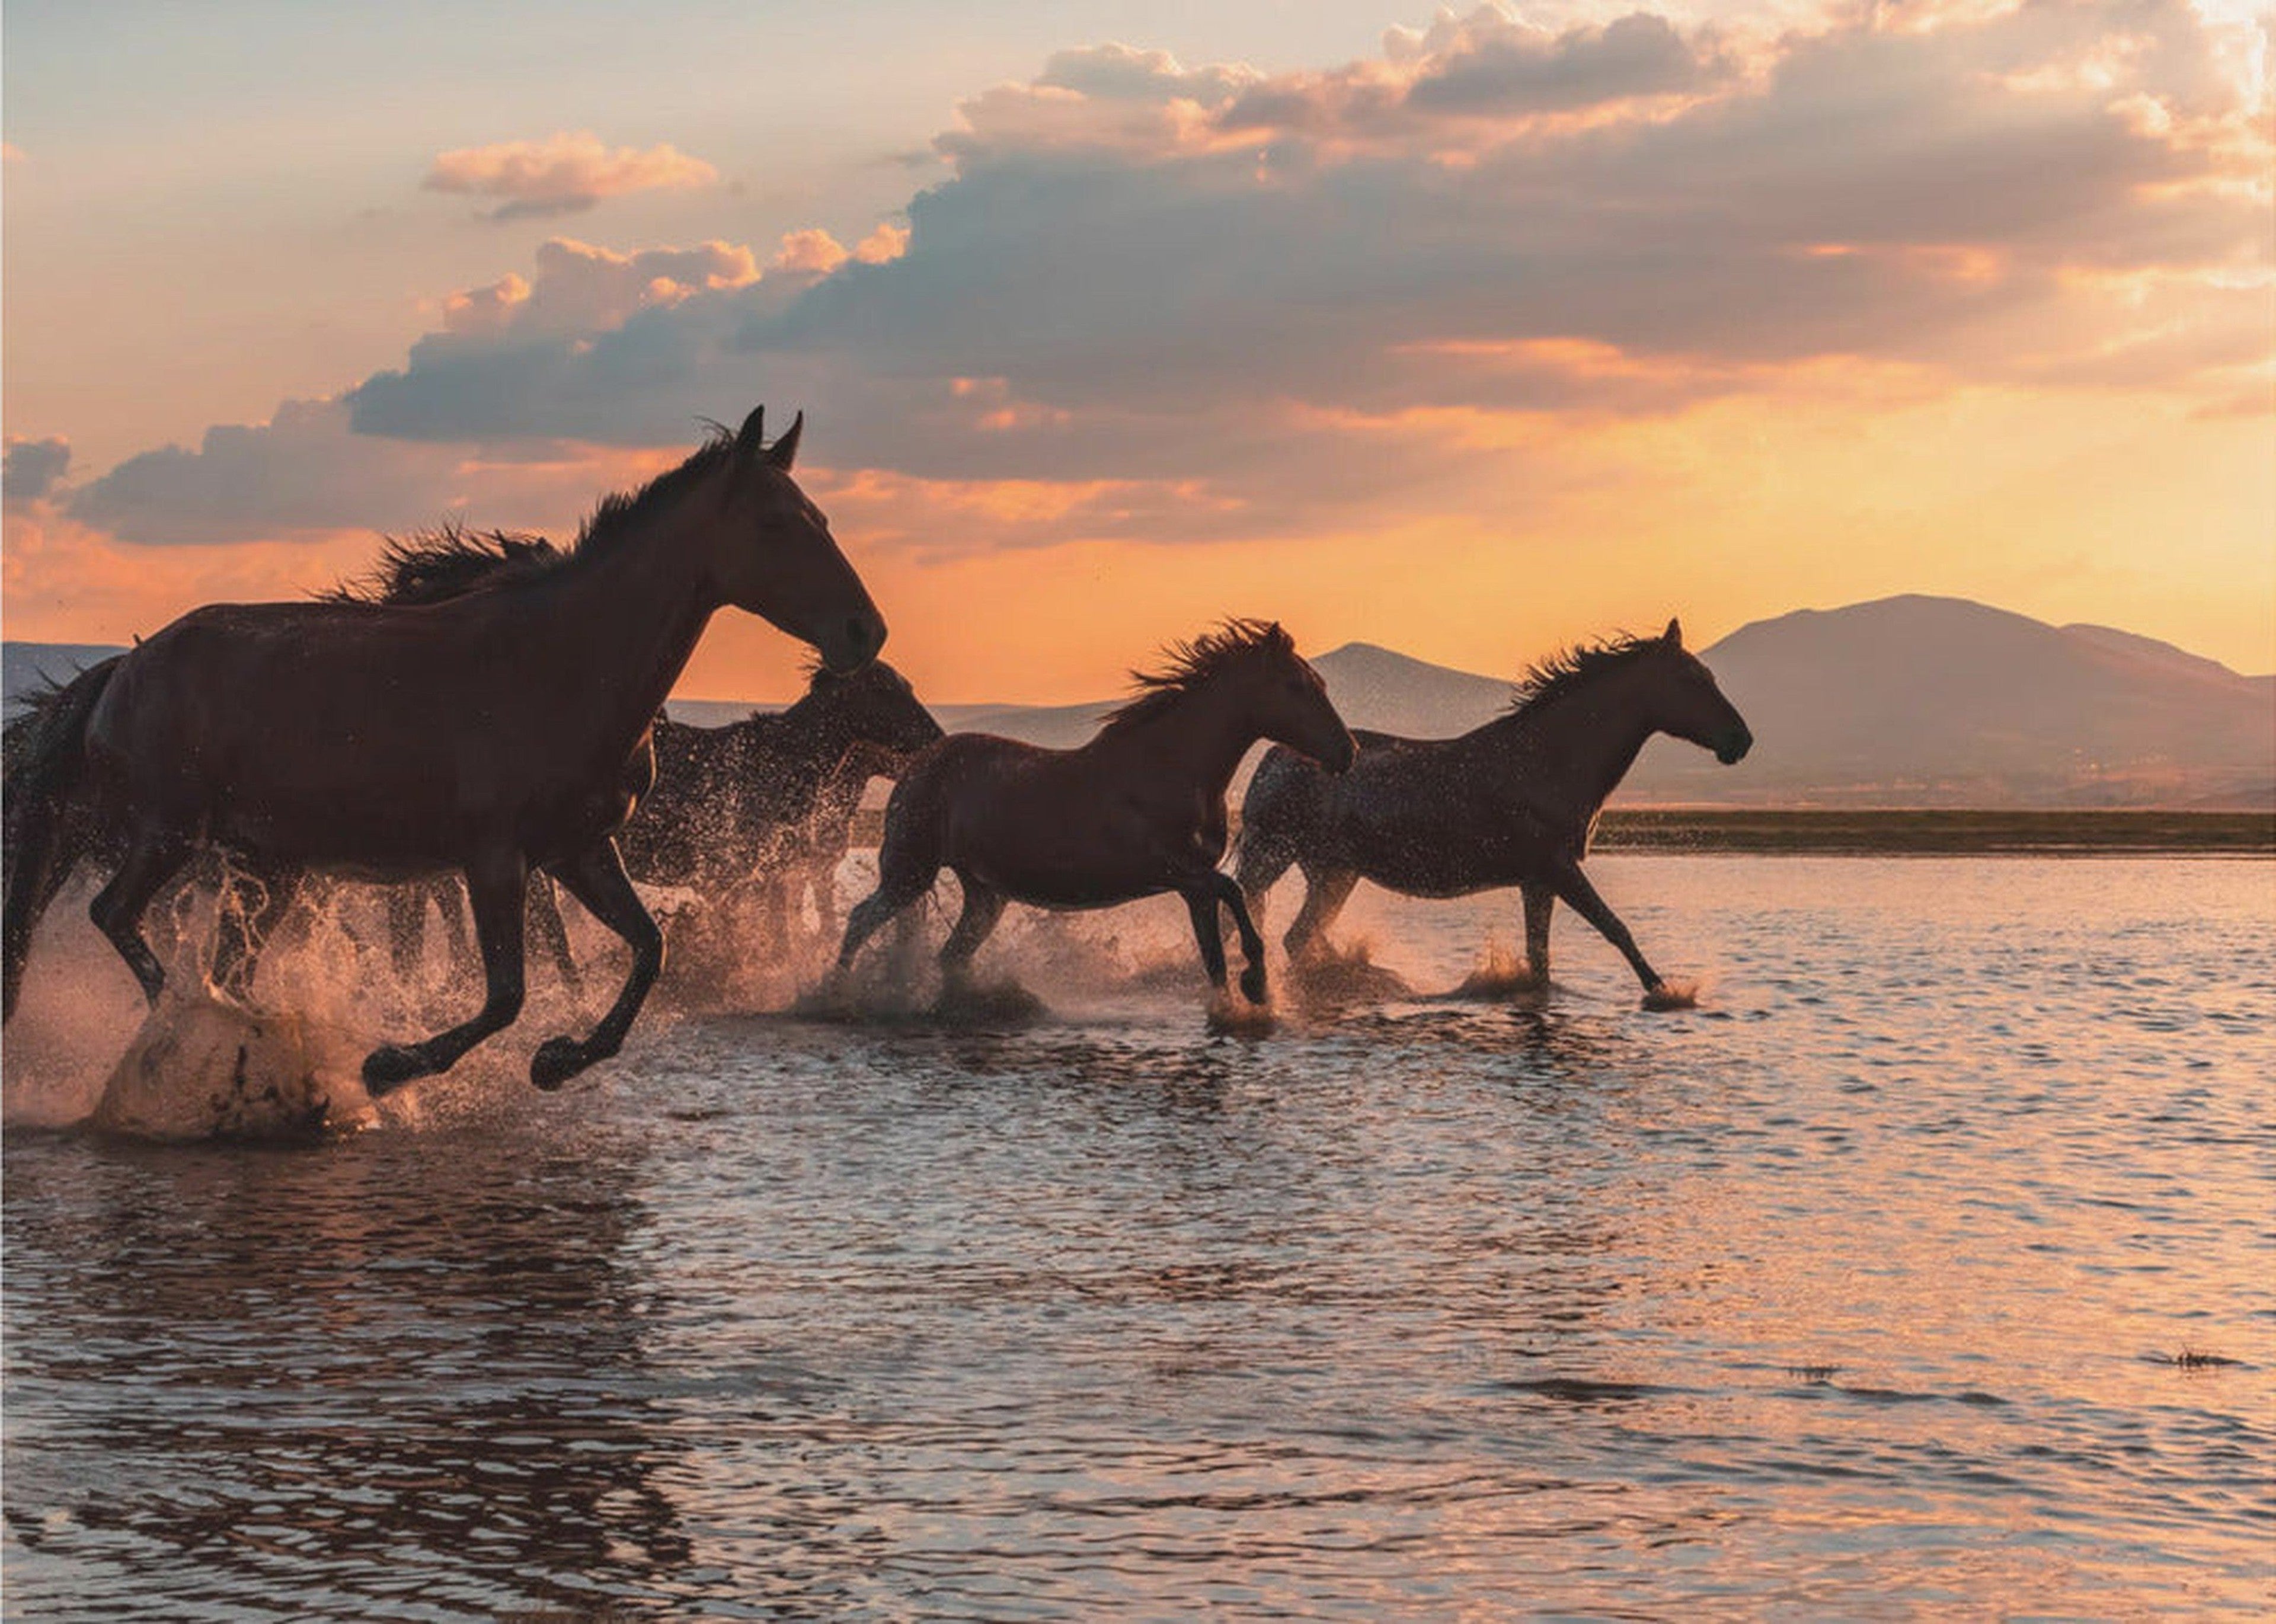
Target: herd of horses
[{"x": 488, "y": 708}]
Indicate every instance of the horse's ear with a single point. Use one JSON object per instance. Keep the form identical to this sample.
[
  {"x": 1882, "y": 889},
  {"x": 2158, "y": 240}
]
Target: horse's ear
[
  {"x": 753, "y": 434},
  {"x": 1674, "y": 636},
  {"x": 784, "y": 452},
  {"x": 1279, "y": 638}
]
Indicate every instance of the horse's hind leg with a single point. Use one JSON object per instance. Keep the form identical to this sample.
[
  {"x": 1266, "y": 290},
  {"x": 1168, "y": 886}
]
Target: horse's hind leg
[
  {"x": 153, "y": 858},
  {"x": 496, "y": 885},
  {"x": 984, "y": 906},
  {"x": 597, "y": 879},
  {"x": 1325, "y": 893},
  {"x": 901, "y": 880},
  {"x": 1540, "y": 902}
]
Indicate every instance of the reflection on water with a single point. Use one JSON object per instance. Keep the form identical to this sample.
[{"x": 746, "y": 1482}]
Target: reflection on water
[{"x": 1850, "y": 1293}]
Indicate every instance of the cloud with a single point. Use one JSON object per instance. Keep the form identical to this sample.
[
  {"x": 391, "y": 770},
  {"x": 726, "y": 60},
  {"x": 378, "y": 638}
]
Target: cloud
[
  {"x": 564, "y": 174},
  {"x": 307, "y": 475},
  {"x": 1210, "y": 301},
  {"x": 33, "y": 468}
]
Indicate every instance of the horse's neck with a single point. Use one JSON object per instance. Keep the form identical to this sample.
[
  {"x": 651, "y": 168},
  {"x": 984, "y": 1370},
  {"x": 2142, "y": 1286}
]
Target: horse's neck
[
  {"x": 1578, "y": 746},
  {"x": 1196, "y": 741},
  {"x": 630, "y": 619}
]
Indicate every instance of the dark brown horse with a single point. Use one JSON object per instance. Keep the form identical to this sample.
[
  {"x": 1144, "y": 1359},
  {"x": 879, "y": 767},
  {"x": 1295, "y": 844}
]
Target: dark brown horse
[
  {"x": 489, "y": 733},
  {"x": 1137, "y": 811},
  {"x": 426, "y": 567},
  {"x": 1513, "y": 802}
]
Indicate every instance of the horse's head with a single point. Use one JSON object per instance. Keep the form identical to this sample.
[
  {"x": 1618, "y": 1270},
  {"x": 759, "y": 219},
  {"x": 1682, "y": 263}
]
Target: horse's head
[
  {"x": 778, "y": 559},
  {"x": 1685, "y": 703},
  {"x": 1292, "y": 705},
  {"x": 875, "y": 705}
]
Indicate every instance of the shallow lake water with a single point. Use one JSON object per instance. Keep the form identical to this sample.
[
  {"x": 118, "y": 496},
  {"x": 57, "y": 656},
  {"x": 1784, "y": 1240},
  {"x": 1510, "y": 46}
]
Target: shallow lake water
[{"x": 1923, "y": 1270}]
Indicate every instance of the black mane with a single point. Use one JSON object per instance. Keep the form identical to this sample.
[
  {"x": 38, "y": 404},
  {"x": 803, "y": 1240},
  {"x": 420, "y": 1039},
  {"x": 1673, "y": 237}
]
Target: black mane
[
  {"x": 1191, "y": 665},
  {"x": 429, "y": 566},
  {"x": 449, "y": 561},
  {"x": 1556, "y": 675}
]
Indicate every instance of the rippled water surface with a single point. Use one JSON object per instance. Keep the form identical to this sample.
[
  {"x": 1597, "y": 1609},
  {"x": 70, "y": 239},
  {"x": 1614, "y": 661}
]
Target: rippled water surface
[{"x": 1857, "y": 1291}]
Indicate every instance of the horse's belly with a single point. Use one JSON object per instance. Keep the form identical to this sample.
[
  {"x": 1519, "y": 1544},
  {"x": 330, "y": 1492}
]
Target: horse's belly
[{"x": 1427, "y": 868}]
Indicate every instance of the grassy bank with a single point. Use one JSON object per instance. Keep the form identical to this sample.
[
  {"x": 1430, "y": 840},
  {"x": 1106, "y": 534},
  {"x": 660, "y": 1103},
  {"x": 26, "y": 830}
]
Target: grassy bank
[{"x": 2049, "y": 833}]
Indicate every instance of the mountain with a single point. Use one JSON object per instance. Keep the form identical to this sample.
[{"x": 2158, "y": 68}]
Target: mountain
[
  {"x": 1919, "y": 700},
  {"x": 1905, "y": 702}
]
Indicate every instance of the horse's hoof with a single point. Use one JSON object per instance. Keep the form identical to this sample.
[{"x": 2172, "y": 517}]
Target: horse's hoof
[
  {"x": 390, "y": 1065},
  {"x": 1663, "y": 995},
  {"x": 556, "y": 1060},
  {"x": 1252, "y": 984}
]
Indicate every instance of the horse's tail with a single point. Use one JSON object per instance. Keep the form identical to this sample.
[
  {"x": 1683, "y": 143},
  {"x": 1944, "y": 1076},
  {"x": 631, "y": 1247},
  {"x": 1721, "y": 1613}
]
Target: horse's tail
[
  {"x": 1277, "y": 810},
  {"x": 44, "y": 762}
]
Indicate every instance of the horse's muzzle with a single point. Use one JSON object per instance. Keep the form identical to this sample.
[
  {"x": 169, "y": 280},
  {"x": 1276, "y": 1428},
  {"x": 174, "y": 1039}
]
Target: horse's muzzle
[
  {"x": 854, "y": 643},
  {"x": 1732, "y": 748}
]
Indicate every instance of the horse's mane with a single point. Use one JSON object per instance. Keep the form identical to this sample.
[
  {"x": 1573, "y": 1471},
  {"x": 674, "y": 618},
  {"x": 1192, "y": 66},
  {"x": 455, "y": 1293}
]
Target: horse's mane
[
  {"x": 1558, "y": 674},
  {"x": 34, "y": 705},
  {"x": 1188, "y": 665},
  {"x": 622, "y": 513},
  {"x": 449, "y": 561},
  {"x": 430, "y": 566}
]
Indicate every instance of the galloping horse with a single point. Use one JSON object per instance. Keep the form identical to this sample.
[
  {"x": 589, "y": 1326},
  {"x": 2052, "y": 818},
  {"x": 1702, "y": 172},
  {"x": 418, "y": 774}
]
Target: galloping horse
[
  {"x": 1512, "y": 803},
  {"x": 426, "y": 567},
  {"x": 490, "y": 732},
  {"x": 1137, "y": 811}
]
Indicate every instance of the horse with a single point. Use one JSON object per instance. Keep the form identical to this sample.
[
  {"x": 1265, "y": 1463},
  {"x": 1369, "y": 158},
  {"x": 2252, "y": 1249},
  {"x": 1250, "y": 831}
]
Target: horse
[
  {"x": 490, "y": 732},
  {"x": 426, "y": 567},
  {"x": 1512, "y": 803},
  {"x": 1136, "y": 811},
  {"x": 731, "y": 804}
]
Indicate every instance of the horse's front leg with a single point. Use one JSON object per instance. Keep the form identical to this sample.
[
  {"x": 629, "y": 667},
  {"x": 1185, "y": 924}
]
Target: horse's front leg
[
  {"x": 1201, "y": 902},
  {"x": 1574, "y": 887},
  {"x": 597, "y": 879},
  {"x": 497, "y": 886},
  {"x": 1252, "y": 940}
]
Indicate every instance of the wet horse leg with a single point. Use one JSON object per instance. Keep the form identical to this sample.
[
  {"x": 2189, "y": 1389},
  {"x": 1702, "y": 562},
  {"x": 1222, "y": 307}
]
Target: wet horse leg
[
  {"x": 1202, "y": 900},
  {"x": 497, "y": 884},
  {"x": 597, "y": 880},
  {"x": 1540, "y": 902},
  {"x": 1574, "y": 887},
  {"x": 155, "y": 857},
  {"x": 901, "y": 880},
  {"x": 1325, "y": 893},
  {"x": 984, "y": 906}
]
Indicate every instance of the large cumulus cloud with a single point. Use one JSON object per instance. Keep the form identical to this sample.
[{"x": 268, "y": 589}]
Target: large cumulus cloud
[{"x": 1273, "y": 291}]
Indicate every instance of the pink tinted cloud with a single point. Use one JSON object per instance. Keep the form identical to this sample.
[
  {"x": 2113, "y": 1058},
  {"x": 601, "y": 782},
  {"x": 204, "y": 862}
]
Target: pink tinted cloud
[{"x": 565, "y": 173}]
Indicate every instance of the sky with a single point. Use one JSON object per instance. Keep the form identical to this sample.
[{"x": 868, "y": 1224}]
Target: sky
[{"x": 1471, "y": 332}]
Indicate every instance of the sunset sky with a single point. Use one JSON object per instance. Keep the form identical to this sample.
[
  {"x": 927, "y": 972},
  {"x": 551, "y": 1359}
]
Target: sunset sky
[{"x": 1468, "y": 332}]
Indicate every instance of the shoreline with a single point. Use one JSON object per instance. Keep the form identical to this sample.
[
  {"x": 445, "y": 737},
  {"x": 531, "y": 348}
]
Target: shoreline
[{"x": 1901, "y": 831}]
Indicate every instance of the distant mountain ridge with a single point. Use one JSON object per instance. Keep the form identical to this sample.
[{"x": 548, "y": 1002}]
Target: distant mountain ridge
[{"x": 1912, "y": 701}]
